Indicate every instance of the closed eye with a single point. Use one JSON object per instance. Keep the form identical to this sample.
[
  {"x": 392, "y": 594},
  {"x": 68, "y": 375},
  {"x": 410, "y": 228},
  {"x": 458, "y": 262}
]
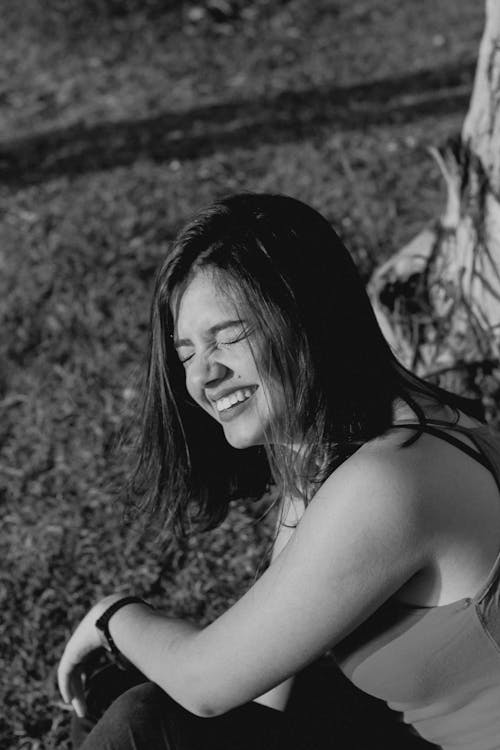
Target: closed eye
[
  {"x": 186, "y": 356},
  {"x": 235, "y": 340},
  {"x": 185, "y": 353}
]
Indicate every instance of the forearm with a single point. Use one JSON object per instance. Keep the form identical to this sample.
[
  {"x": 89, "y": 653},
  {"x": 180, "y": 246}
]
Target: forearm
[
  {"x": 189, "y": 663},
  {"x": 278, "y": 696},
  {"x": 164, "y": 650}
]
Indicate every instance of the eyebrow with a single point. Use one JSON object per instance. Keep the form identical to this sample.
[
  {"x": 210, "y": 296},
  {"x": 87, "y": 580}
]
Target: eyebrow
[{"x": 211, "y": 331}]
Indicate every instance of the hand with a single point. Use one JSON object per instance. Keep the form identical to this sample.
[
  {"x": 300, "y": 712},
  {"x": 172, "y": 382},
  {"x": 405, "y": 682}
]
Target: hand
[{"x": 85, "y": 640}]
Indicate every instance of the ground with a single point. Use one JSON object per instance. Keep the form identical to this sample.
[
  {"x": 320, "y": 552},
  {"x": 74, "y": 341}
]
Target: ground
[{"x": 118, "y": 121}]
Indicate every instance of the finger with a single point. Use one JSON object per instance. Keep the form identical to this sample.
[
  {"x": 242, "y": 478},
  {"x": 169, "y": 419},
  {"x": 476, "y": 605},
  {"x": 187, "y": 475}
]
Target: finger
[
  {"x": 77, "y": 691},
  {"x": 62, "y": 684},
  {"x": 84, "y": 641},
  {"x": 72, "y": 689},
  {"x": 79, "y": 708},
  {"x": 63, "y": 678},
  {"x": 68, "y": 666}
]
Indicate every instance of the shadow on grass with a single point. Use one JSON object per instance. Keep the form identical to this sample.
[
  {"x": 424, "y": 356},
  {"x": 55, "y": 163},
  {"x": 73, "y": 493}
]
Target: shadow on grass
[{"x": 201, "y": 131}]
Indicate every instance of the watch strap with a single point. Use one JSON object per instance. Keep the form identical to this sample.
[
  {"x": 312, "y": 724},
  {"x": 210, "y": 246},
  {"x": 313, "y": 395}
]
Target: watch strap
[{"x": 102, "y": 624}]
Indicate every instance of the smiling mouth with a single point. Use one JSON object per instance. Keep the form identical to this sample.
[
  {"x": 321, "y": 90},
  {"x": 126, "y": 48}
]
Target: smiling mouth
[{"x": 225, "y": 404}]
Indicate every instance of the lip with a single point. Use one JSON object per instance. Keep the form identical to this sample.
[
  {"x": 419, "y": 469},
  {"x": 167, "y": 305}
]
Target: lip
[
  {"x": 234, "y": 411},
  {"x": 214, "y": 397}
]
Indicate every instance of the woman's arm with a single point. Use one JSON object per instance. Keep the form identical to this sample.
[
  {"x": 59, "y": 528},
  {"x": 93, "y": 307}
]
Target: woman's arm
[
  {"x": 360, "y": 539},
  {"x": 288, "y": 518}
]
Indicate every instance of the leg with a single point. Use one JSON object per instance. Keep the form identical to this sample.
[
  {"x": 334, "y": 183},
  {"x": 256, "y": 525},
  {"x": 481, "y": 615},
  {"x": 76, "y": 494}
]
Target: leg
[
  {"x": 146, "y": 718},
  {"x": 104, "y": 682}
]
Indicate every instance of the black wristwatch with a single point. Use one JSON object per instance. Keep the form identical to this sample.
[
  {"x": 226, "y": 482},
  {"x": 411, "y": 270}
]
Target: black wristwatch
[{"x": 102, "y": 624}]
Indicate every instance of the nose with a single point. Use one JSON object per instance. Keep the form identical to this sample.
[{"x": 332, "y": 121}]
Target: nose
[{"x": 205, "y": 371}]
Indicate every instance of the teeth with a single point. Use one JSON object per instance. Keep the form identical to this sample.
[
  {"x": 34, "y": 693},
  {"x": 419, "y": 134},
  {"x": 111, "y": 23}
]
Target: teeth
[{"x": 227, "y": 401}]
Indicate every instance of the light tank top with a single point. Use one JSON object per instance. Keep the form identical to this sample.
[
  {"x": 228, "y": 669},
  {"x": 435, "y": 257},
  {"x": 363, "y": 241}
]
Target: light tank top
[{"x": 438, "y": 667}]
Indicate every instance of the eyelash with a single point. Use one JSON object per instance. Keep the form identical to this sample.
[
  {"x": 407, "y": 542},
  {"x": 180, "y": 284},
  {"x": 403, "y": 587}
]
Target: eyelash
[{"x": 219, "y": 344}]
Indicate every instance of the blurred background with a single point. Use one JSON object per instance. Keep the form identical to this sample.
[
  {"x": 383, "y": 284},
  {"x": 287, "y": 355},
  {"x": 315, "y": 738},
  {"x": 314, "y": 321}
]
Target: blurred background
[{"x": 118, "y": 120}]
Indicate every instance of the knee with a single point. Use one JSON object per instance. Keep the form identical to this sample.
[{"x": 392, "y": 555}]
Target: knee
[
  {"x": 132, "y": 719},
  {"x": 138, "y": 704},
  {"x": 142, "y": 718}
]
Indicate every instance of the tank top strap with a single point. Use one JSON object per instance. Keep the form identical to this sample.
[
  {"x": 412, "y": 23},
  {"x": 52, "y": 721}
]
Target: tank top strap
[
  {"x": 477, "y": 453},
  {"x": 486, "y": 440}
]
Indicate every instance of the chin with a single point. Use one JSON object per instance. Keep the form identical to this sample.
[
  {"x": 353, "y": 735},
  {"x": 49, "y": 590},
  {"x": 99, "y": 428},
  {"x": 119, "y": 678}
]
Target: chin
[{"x": 241, "y": 438}]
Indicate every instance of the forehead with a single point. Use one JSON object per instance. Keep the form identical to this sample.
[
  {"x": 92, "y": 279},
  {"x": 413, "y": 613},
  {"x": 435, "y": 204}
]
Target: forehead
[{"x": 203, "y": 302}]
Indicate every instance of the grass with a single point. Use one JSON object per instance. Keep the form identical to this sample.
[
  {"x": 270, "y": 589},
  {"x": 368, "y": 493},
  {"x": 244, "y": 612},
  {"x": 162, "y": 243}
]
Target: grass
[{"x": 118, "y": 125}]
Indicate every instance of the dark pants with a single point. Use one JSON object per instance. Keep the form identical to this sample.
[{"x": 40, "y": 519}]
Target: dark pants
[{"x": 125, "y": 712}]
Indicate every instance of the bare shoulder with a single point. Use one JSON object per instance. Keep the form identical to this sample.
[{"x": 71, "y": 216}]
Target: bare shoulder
[
  {"x": 379, "y": 496},
  {"x": 419, "y": 492},
  {"x": 383, "y": 473}
]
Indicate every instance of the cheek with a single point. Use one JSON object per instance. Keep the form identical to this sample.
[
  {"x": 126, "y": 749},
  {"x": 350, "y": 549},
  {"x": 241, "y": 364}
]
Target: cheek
[
  {"x": 195, "y": 392},
  {"x": 251, "y": 363},
  {"x": 274, "y": 396},
  {"x": 190, "y": 387}
]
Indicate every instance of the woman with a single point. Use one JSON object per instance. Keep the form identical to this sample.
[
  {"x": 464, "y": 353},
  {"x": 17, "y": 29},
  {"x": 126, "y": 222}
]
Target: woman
[{"x": 266, "y": 361}]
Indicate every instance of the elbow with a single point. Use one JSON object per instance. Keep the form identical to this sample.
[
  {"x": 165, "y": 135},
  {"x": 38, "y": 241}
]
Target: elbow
[
  {"x": 198, "y": 697},
  {"x": 204, "y": 706},
  {"x": 206, "y": 702},
  {"x": 204, "y": 709},
  {"x": 200, "y": 685}
]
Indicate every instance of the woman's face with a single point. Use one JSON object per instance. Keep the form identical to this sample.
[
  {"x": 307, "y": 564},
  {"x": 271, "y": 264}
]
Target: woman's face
[{"x": 218, "y": 349}]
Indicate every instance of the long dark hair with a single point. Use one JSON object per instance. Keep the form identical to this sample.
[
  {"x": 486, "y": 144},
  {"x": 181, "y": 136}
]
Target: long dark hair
[{"x": 299, "y": 285}]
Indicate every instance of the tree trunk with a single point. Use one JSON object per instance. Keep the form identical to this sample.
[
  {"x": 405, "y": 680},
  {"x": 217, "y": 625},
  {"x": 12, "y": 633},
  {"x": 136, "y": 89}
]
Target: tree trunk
[{"x": 438, "y": 299}]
